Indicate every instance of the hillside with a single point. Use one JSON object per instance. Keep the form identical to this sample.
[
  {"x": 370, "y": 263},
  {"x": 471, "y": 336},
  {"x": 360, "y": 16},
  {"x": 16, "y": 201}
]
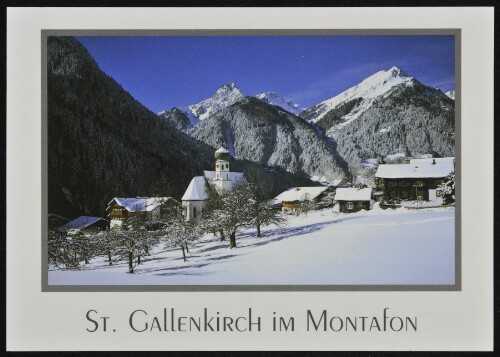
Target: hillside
[
  {"x": 389, "y": 114},
  {"x": 266, "y": 134},
  {"x": 103, "y": 143}
]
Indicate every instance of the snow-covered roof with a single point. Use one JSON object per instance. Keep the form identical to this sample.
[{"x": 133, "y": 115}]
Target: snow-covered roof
[
  {"x": 300, "y": 193},
  {"x": 81, "y": 222},
  {"x": 196, "y": 190},
  {"x": 140, "y": 204},
  {"x": 353, "y": 194},
  {"x": 420, "y": 170},
  {"x": 430, "y": 160},
  {"x": 233, "y": 176},
  {"x": 221, "y": 150}
]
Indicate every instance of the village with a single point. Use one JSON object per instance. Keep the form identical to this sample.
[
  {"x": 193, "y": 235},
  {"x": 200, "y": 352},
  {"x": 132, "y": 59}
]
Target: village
[{"x": 222, "y": 207}]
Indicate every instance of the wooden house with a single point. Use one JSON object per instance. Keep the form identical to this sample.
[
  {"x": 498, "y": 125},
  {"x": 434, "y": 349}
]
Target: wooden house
[
  {"x": 292, "y": 199},
  {"x": 351, "y": 199},
  {"x": 84, "y": 223},
  {"x": 417, "y": 180},
  {"x": 145, "y": 208}
]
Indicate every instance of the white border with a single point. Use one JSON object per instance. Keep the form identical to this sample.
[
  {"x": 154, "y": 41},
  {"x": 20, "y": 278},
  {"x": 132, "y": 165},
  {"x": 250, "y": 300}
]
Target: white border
[{"x": 461, "y": 320}]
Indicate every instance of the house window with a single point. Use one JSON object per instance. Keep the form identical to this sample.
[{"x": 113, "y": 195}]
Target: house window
[
  {"x": 405, "y": 184},
  {"x": 350, "y": 205},
  {"x": 217, "y": 166},
  {"x": 419, "y": 183},
  {"x": 360, "y": 204},
  {"x": 194, "y": 212},
  {"x": 227, "y": 166}
]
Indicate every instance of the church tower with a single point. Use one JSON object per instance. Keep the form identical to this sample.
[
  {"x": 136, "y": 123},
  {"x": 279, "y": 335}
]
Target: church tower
[{"x": 222, "y": 178}]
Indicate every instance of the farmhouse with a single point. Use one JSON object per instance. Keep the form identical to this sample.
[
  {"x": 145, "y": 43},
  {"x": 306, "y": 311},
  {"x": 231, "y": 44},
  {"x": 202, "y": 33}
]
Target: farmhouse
[
  {"x": 351, "y": 199},
  {"x": 292, "y": 199},
  {"x": 417, "y": 180},
  {"x": 84, "y": 223},
  {"x": 145, "y": 208},
  {"x": 436, "y": 160},
  {"x": 221, "y": 180}
]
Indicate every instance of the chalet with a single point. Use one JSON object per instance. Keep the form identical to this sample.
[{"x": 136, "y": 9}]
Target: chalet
[
  {"x": 221, "y": 180},
  {"x": 435, "y": 160},
  {"x": 416, "y": 180},
  {"x": 145, "y": 208},
  {"x": 351, "y": 199},
  {"x": 84, "y": 223},
  {"x": 294, "y": 197}
]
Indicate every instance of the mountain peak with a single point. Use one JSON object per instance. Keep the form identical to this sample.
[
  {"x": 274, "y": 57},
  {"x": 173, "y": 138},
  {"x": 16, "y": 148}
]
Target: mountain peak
[
  {"x": 274, "y": 98},
  {"x": 226, "y": 95},
  {"x": 375, "y": 86},
  {"x": 397, "y": 72},
  {"x": 228, "y": 87}
]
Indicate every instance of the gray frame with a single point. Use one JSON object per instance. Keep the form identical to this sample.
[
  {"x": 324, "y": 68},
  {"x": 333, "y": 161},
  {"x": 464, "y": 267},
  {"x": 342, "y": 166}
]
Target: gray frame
[{"x": 45, "y": 287}]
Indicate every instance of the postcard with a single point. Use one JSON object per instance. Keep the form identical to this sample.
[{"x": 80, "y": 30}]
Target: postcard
[{"x": 291, "y": 186}]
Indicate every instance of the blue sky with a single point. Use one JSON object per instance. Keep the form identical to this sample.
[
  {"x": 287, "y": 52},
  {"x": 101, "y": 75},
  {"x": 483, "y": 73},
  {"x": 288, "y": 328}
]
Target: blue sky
[{"x": 164, "y": 72}]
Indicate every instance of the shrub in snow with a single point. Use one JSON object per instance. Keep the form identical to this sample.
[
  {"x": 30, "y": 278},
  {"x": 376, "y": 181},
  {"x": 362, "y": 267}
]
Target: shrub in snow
[{"x": 447, "y": 190}]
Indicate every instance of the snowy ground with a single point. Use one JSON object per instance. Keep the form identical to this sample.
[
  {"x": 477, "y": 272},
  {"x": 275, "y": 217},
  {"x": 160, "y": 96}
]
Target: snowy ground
[{"x": 374, "y": 247}]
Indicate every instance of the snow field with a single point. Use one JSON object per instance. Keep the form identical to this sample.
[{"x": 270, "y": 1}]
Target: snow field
[{"x": 377, "y": 247}]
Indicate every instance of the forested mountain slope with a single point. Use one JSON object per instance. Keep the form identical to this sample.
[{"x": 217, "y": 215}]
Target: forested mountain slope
[{"x": 103, "y": 143}]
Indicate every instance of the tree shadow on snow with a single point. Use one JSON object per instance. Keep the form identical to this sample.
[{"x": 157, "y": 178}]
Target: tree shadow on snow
[
  {"x": 278, "y": 234},
  {"x": 243, "y": 239}
]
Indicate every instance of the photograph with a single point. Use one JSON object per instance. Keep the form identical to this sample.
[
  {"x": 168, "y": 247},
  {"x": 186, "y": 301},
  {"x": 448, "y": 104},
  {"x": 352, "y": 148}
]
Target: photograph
[{"x": 268, "y": 160}]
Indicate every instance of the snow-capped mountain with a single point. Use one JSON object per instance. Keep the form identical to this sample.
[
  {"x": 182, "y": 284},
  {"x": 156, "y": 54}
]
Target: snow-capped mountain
[
  {"x": 225, "y": 96},
  {"x": 274, "y": 98},
  {"x": 257, "y": 131},
  {"x": 389, "y": 114},
  {"x": 184, "y": 118},
  {"x": 360, "y": 97},
  {"x": 450, "y": 94},
  {"x": 181, "y": 118}
]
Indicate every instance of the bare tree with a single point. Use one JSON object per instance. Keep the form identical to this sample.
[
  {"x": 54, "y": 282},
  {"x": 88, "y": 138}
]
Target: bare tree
[
  {"x": 132, "y": 242},
  {"x": 232, "y": 212},
  {"x": 60, "y": 251}
]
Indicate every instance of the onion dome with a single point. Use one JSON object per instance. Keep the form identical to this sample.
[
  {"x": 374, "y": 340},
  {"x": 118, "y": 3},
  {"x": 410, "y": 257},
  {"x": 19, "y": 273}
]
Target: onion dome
[{"x": 222, "y": 154}]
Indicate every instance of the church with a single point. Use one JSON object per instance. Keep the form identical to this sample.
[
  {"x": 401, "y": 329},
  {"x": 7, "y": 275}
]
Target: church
[{"x": 221, "y": 180}]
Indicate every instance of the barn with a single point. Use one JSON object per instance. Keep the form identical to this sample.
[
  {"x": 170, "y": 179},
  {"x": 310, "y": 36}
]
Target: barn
[
  {"x": 351, "y": 199},
  {"x": 84, "y": 223}
]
